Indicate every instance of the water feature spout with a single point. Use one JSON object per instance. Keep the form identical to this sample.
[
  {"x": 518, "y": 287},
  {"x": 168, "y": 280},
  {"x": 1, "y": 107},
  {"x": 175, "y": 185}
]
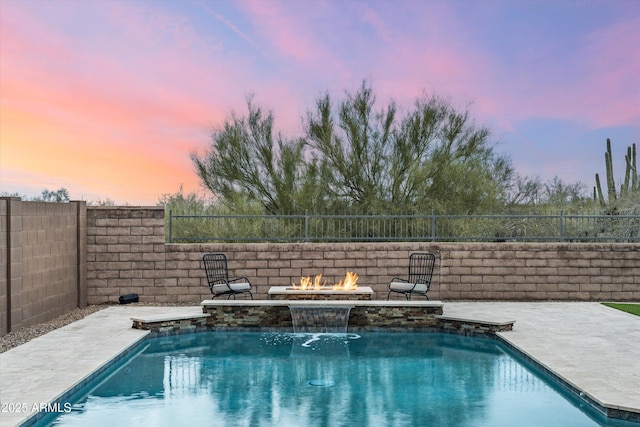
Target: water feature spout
[{"x": 320, "y": 319}]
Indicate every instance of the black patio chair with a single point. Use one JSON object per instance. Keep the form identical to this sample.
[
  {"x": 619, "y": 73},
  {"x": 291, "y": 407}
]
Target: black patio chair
[
  {"x": 215, "y": 266},
  {"x": 419, "y": 280}
]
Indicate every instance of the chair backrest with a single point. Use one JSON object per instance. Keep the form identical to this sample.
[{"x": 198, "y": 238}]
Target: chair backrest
[
  {"x": 421, "y": 267},
  {"x": 215, "y": 265}
]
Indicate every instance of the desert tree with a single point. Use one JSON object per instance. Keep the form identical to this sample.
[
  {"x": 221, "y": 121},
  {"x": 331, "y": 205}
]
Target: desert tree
[
  {"x": 357, "y": 154},
  {"x": 248, "y": 162},
  {"x": 430, "y": 157}
]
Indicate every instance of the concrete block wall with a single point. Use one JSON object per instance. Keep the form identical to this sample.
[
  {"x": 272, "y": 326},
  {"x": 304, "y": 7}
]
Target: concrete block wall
[
  {"x": 281, "y": 264},
  {"x": 540, "y": 271},
  {"x": 464, "y": 271},
  {"x": 6, "y": 272},
  {"x": 58, "y": 256},
  {"x": 42, "y": 259},
  {"x": 125, "y": 253}
]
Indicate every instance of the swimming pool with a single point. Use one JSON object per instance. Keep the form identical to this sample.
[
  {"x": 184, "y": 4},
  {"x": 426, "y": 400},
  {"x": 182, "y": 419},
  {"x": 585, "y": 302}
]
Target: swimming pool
[{"x": 277, "y": 379}]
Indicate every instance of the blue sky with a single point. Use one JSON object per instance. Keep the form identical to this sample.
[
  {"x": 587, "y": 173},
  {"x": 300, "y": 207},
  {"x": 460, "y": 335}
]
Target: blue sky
[{"x": 108, "y": 97}]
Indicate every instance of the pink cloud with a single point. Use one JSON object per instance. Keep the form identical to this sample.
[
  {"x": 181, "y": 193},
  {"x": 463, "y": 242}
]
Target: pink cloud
[
  {"x": 142, "y": 85},
  {"x": 596, "y": 85},
  {"x": 289, "y": 33},
  {"x": 612, "y": 58},
  {"x": 232, "y": 27},
  {"x": 282, "y": 31},
  {"x": 105, "y": 119},
  {"x": 433, "y": 61}
]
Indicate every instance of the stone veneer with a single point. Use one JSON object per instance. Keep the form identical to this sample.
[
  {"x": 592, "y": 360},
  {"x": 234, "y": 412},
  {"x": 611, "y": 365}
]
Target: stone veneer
[
  {"x": 171, "y": 325},
  {"x": 388, "y": 316},
  {"x": 472, "y": 327}
]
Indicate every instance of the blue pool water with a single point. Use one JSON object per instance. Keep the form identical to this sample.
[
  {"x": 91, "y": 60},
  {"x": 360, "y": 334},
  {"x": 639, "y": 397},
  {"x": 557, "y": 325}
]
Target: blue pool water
[{"x": 276, "y": 379}]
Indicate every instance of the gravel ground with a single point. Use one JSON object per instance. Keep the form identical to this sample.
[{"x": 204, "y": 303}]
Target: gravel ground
[{"x": 21, "y": 336}]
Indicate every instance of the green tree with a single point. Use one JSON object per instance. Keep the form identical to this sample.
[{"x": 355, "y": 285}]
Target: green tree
[
  {"x": 560, "y": 194},
  {"x": 60, "y": 195},
  {"x": 181, "y": 203},
  {"x": 14, "y": 194},
  {"x": 523, "y": 191},
  {"x": 248, "y": 163},
  {"x": 102, "y": 202},
  {"x": 357, "y": 155},
  {"x": 432, "y": 157},
  {"x": 352, "y": 154}
]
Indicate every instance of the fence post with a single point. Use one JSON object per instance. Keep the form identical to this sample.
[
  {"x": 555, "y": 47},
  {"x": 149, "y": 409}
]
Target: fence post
[
  {"x": 561, "y": 226},
  {"x": 306, "y": 225},
  {"x": 433, "y": 225},
  {"x": 170, "y": 226}
]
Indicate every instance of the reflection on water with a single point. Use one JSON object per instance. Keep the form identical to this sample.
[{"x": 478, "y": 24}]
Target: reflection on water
[{"x": 264, "y": 379}]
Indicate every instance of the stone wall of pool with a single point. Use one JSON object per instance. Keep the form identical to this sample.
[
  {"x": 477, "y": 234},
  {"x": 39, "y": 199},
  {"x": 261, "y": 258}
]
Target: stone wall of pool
[{"x": 275, "y": 315}]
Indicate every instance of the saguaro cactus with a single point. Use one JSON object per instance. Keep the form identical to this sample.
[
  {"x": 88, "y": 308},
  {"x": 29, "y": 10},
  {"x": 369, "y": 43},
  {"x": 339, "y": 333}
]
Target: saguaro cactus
[
  {"x": 631, "y": 182},
  {"x": 631, "y": 175}
]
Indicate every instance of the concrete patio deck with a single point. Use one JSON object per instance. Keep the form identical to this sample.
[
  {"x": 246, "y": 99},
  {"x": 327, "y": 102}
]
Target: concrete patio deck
[{"x": 592, "y": 347}]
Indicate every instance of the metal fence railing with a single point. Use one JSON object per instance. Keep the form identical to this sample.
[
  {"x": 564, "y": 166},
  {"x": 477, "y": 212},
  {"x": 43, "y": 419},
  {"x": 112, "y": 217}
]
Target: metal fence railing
[{"x": 380, "y": 228}]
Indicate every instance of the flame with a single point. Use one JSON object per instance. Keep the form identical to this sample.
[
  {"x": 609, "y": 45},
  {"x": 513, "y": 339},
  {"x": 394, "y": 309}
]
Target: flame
[
  {"x": 307, "y": 283},
  {"x": 347, "y": 284}
]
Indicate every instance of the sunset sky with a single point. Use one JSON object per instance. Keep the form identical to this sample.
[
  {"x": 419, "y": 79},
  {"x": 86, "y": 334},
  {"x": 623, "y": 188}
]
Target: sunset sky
[{"x": 107, "y": 98}]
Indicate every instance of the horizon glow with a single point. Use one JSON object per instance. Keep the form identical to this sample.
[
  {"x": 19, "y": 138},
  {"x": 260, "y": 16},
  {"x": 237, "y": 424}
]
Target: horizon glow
[{"x": 108, "y": 98}]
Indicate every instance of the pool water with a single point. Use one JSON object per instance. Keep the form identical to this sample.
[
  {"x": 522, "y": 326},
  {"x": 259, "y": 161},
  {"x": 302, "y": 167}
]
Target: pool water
[{"x": 373, "y": 379}]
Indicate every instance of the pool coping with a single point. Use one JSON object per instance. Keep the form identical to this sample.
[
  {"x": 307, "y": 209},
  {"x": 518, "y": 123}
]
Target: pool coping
[
  {"x": 612, "y": 411},
  {"x": 354, "y": 303},
  {"x": 41, "y": 354}
]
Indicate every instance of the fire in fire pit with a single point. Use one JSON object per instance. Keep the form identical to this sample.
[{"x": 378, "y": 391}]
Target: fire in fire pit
[{"x": 349, "y": 283}]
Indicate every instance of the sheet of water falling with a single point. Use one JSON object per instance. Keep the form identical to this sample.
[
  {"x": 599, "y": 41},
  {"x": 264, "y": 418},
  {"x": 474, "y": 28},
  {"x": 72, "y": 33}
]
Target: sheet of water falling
[
  {"x": 320, "y": 319},
  {"x": 372, "y": 379}
]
